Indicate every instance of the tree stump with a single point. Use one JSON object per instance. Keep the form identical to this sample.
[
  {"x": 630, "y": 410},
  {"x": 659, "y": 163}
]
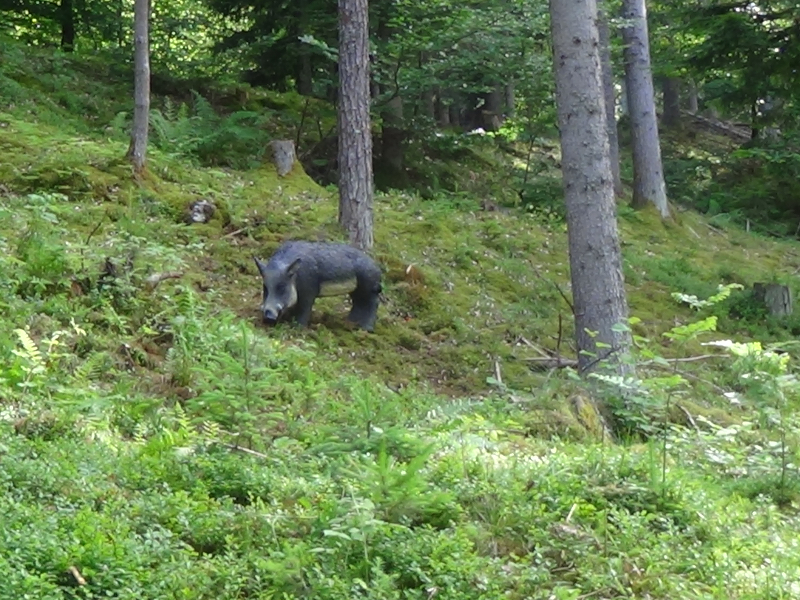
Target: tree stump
[
  {"x": 777, "y": 298},
  {"x": 283, "y": 156}
]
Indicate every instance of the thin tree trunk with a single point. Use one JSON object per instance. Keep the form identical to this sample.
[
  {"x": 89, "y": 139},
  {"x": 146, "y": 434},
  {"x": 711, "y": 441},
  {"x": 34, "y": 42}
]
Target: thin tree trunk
[
  {"x": 390, "y": 170},
  {"x": 671, "y": 88},
  {"x": 137, "y": 151},
  {"x": 442, "y": 109},
  {"x": 491, "y": 115},
  {"x": 67, "y": 17},
  {"x": 355, "y": 135},
  {"x": 648, "y": 172},
  {"x": 609, "y": 96},
  {"x": 691, "y": 98},
  {"x": 511, "y": 98},
  {"x": 305, "y": 77},
  {"x": 598, "y": 289}
]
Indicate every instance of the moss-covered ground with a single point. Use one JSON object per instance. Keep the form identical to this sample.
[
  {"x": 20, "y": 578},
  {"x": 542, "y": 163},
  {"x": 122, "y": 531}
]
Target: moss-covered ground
[{"x": 433, "y": 458}]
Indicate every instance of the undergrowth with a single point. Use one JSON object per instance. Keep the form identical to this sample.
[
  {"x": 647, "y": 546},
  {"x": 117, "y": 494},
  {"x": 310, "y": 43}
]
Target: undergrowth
[{"x": 158, "y": 442}]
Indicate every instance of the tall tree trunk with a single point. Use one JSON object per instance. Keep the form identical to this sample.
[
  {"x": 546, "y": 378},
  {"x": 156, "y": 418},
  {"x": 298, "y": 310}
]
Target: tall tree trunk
[
  {"x": 609, "y": 97},
  {"x": 305, "y": 76},
  {"x": 691, "y": 98},
  {"x": 511, "y": 98},
  {"x": 137, "y": 151},
  {"x": 671, "y": 88},
  {"x": 442, "y": 109},
  {"x": 454, "y": 111},
  {"x": 390, "y": 170},
  {"x": 491, "y": 115},
  {"x": 595, "y": 260},
  {"x": 67, "y": 18},
  {"x": 392, "y": 163},
  {"x": 648, "y": 172},
  {"x": 355, "y": 135}
]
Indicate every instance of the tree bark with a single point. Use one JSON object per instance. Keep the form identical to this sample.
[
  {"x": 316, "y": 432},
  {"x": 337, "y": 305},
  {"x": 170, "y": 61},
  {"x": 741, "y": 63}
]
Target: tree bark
[
  {"x": 491, "y": 115},
  {"x": 442, "y": 109},
  {"x": 595, "y": 259},
  {"x": 648, "y": 172},
  {"x": 390, "y": 171},
  {"x": 609, "y": 96},
  {"x": 511, "y": 98},
  {"x": 691, "y": 98},
  {"x": 305, "y": 74},
  {"x": 671, "y": 88},
  {"x": 67, "y": 18},
  {"x": 355, "y": 135},
  {"x": 137, "y": 151}
]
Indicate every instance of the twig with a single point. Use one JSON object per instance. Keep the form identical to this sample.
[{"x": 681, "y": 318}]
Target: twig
[
  {"x": 245, "y": 450},
  {"x": 235, "y": 233},
  {"x": 497, "y": 374},
  {"x": 530, "y": 344},
  {"x": 153, "y": 280},
  {"x": 302, "y": 121},
  {"x": 689, "y": 417},
  {"x": 558, "y": 288},
  {"x": 686, "y": 359},
  {"x": 571, "y": 510},
  {"x": 558, "y": 341}
]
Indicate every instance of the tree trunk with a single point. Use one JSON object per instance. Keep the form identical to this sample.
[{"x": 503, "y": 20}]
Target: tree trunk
[
  {"x": 491, "y": 115},
  {"x": 648, "y": 172},
  {"x": 511, "y": 99},
  {"x": 691, "y": 98},
  {"x": 442, "y": 110},
  {"x": 355, "y": 135},
  {"x": 455, "y": 114},
  {"x": 67, "y": 18},
  {"x": 392, "y": 163},
  {"x": 390, "y": 170},
  {"x": 671, "y": 88},
  {"x": 598, "y": 289},
  {"x": 137, "y": 151},
  {"x": 609, "y": 97},
  {"x": 305, "y": 77}
]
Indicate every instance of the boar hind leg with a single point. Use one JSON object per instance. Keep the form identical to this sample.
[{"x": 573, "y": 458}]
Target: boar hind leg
[{"x": 364, "y": 311}]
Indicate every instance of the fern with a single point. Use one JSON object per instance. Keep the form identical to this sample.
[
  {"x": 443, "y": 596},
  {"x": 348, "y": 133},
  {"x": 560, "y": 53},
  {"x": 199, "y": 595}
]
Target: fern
[{"x": 30, "y": 352}]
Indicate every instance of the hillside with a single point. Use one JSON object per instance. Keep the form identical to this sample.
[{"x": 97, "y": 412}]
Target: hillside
[{"x": 433, "y": 458}]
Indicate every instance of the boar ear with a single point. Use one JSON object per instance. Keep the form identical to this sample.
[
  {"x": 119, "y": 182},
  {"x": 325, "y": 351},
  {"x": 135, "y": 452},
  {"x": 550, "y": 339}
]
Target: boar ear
[
  {"x": 291, "y": 270},
  {"x": 261, "y": 266}
]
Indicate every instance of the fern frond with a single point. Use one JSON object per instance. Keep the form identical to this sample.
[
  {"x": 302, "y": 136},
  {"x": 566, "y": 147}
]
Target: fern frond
[{"x": 31, "y": 350}]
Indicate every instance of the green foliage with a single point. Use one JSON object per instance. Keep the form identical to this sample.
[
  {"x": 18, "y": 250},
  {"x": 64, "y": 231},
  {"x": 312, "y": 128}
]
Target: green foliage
[
  {"x": 157, "y": 443},
  {"x": 237, "y": 140}
]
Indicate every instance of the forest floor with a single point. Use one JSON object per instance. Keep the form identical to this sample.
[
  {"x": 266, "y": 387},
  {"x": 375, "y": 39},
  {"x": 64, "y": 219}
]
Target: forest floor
[{"x": 474, "y": 299}]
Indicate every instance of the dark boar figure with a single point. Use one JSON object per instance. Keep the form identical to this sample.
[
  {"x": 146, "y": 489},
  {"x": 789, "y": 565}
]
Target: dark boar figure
[{"x": 300, "y": 272}]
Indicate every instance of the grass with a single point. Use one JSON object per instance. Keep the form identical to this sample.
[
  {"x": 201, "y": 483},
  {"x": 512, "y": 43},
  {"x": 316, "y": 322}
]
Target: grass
[{"x": 162, "y": 443}]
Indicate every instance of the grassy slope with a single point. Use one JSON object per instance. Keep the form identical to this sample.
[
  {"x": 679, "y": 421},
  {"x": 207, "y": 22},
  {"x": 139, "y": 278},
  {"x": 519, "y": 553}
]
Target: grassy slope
[{"x": 488, "y": 286}]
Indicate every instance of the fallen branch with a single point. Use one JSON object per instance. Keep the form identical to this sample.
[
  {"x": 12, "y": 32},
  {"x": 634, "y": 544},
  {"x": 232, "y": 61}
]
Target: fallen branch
[
  {"x": 497, "y": 373},
  {"x": 555, "y": 362},
  {"x": 235, "y": 233},
  {"x": 245, "y": 450},
  {"x": 153, "y": 280},
  {"x": 685, "y": 359},
  {"x": 688, "y": 417},
  {"x": 530, "y": 344},
  {"x": 77, "y": 575}
]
